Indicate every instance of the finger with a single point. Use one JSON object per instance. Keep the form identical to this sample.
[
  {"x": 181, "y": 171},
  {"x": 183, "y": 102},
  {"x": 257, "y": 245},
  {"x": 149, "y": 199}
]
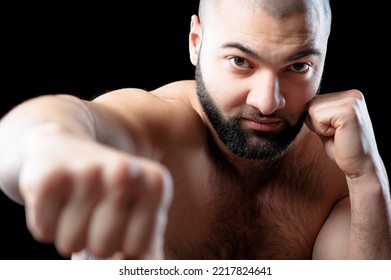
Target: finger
[
  {"x": 144, "y": 233},
  {"x": 308, "y": 122},
  {"x": 156, "y": 250},
  {"x": 108, "y": 221},
  {"x": 320, "y": 120},
  {"x": 107, "y": 227},
  {"x": 74, "y": 221},
  {"x": 44, "y": 200}
]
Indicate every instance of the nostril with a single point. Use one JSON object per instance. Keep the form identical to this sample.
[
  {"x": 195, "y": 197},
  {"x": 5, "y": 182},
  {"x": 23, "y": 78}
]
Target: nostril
[{"x": 266, "y": 103}]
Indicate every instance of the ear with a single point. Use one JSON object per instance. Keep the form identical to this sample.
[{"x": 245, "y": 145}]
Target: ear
[{"x": 195, "y": 38}]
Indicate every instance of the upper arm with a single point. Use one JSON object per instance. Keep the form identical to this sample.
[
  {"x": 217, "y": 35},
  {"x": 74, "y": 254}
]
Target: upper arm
[
  {"x": 148, "y": 122},
  {"x": 332, "y": 240}
]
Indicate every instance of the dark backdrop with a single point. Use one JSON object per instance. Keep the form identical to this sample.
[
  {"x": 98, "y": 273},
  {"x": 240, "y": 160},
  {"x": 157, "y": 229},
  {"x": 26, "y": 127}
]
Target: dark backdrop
[{"x": 89, "y": 50}]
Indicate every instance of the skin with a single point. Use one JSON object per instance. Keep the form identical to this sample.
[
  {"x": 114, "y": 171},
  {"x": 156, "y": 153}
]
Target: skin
[{"x": 157, "y": 191}]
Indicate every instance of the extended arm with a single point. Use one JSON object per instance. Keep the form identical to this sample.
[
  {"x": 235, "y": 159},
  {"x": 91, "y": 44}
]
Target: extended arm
[{"x": 74, "y": 165}]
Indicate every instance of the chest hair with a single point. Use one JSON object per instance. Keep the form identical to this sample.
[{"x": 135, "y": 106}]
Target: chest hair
[{"x": 273, "y": 213}]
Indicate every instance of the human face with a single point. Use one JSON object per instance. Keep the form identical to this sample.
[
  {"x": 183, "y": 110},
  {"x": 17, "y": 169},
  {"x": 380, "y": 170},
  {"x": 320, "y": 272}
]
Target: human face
[
  {"x": 258, "y": 73},
  {"x": 244, "y": 142}
]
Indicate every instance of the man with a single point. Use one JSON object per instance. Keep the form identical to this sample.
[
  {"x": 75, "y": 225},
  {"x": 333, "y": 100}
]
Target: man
[{"x": 246, "y": 162}]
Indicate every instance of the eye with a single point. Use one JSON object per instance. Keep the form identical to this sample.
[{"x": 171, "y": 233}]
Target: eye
[
  {"x": 239, "y": 62},
  {"x": 299, "y": 67}
]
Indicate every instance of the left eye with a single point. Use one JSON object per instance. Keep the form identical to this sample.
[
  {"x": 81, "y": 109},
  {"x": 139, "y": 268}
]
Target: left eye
[{"x": 299, "y": 67}]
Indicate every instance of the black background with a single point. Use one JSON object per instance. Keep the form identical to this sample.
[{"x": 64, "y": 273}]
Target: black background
[{"x": 88, "y": 50}]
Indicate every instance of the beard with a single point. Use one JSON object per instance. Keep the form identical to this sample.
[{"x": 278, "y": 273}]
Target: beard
[{"x": 246, "y": 143}]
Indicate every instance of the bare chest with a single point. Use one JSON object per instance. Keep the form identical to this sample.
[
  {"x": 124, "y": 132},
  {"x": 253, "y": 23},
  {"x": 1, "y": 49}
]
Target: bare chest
[{"x": 276, "y": 219}]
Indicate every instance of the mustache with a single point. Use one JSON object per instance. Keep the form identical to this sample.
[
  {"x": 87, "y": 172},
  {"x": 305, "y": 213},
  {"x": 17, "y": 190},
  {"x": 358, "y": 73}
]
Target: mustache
[{"x": 252, "y": 113}]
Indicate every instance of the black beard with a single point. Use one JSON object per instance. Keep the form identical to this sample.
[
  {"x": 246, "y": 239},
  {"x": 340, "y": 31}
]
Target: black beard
[{"x": 244, "y": 143}]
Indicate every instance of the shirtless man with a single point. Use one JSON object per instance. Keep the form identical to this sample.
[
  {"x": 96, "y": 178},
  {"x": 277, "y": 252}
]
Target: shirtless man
[{"x": 245, "y": 162}]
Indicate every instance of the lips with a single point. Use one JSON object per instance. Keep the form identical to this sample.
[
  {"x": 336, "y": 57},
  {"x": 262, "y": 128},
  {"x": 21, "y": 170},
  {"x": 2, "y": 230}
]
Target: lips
[{"x": 264, "y": 125}]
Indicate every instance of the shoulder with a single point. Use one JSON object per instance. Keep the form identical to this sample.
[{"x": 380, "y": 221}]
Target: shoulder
[
  {"x": 179, "y": 92},
  {"x": 166, "y": 114}
]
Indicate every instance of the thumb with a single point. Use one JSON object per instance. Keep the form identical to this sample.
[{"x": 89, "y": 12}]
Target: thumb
[
  {"x": 308, "y": 122},
  {"x": 156, "y": 249}
]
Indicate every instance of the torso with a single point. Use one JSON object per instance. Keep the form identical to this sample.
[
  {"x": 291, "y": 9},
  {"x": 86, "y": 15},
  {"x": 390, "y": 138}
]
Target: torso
[
  {"x": 219, "y": 214},
  {"x": 264, "y": 211},
  {"x": 223, "y": 216}
]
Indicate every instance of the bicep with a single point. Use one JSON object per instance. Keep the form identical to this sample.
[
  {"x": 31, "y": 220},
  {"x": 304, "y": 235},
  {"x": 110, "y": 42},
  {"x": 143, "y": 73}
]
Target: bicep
[
  {"x": 332, "y": 240},
  {"x": 141, "y": 123}
]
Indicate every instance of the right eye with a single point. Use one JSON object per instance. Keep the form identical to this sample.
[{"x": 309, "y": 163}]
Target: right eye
[{"x": 239, "y": 62}]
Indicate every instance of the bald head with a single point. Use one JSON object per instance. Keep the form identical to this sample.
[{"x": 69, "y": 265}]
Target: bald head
[{"x": 276, "y": 8}]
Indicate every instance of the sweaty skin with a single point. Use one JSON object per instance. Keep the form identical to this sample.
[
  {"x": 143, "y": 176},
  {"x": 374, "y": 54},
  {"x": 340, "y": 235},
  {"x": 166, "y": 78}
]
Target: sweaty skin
[{"x": 246, "y": 162}]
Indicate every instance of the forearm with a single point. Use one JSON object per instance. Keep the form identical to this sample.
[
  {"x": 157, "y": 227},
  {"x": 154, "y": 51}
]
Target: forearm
[
  {"x": 19, "y": 127},
  {"x": 370, "y": 233}
]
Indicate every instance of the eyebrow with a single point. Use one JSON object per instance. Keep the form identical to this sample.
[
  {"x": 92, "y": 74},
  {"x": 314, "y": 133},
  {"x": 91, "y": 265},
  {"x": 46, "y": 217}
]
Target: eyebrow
[{"x": 255, "y": 55}]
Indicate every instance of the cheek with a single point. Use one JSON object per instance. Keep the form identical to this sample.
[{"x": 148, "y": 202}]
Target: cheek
[
  {"x": 225, "y": 90},
  {"x": 229, "y": 94},
  {"x": 298, "y": 90},
  {"x": 297, "y": 99},
  {"x": 298, "y": 95}
]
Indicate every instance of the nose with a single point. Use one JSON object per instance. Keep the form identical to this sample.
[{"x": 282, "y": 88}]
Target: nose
[{"x": 265, "y": 94}]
